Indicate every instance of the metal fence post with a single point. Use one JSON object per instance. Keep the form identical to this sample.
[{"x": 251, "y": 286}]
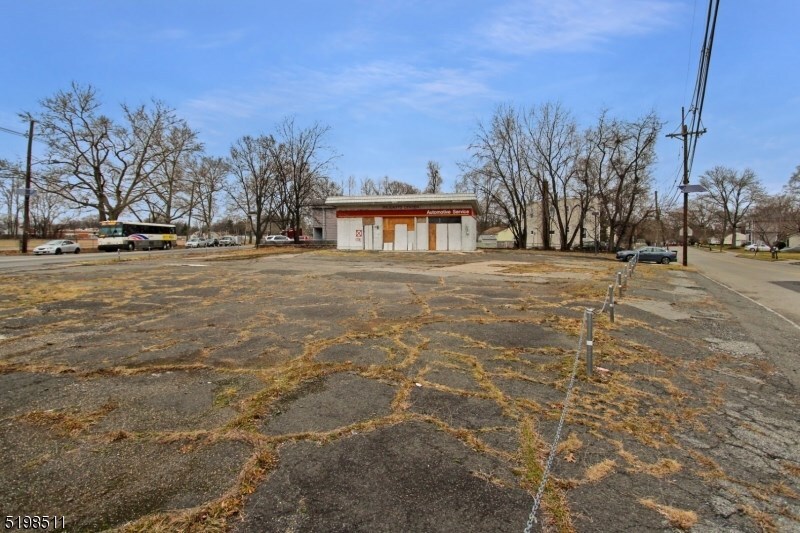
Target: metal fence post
[
  {"x": 589, "y": 342},
  {"x": 619, "y": 283},
  {"x": 611, "y": 302}
]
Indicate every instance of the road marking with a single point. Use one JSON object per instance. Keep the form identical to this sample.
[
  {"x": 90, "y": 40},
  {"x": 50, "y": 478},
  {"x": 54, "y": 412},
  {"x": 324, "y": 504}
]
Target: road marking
[
  {"x": 188, "y": 264},
  {"x": 774, "y": 312}
]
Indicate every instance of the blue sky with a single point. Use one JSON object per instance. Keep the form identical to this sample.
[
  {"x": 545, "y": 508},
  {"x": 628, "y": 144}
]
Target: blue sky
[{"x": 403, "y": 82}]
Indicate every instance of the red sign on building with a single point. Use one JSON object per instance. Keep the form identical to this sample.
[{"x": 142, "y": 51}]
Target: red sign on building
[{"x": 350, "y": 213}]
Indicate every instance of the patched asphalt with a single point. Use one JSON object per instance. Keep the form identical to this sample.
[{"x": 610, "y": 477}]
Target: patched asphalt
[{"x": 330, "y": 391}]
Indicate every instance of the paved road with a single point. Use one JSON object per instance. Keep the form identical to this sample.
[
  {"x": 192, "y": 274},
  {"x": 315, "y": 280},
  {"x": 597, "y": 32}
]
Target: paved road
[
  {"x": 25, "y": 263},
  {"x": 773, "y": 284}
]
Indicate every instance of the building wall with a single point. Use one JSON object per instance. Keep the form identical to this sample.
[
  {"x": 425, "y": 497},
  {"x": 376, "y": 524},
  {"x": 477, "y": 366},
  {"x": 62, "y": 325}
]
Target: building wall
[
  {"x": 406, "y": 233},
  {"x": 535, "y": 236},
  {"x": 323, "y": 224},
  {"x": 741, "y": 238}
]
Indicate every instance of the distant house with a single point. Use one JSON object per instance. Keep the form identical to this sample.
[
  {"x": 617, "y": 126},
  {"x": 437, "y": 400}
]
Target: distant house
[
  {"x": 793, "y": 240},
  {"x": 741, "y": 239},
  {"x": 497, "y": 237}
]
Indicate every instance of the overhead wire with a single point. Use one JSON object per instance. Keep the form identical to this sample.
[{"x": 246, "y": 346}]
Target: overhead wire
[
  {"x": 702, "y": 77},
  {"x": 699, "y": 94},
  {"x": 13, "y": 132},
  {"x": 670, "y": 195}
]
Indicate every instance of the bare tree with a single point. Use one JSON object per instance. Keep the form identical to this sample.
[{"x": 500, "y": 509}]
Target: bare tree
[
  {"x": 94, "y": 162},
  {"x": 774, "y": 218},
  {"x": 733, "y": 193},
  {"x": 619, "y": 158},
  {"x": 300, "y": 159},
  {"x": 490, "y": 214},
  {"x": 45, "y": 209},
  {"x": 208, "y": 174},
  {"x": 501, "y": 166},
  {"x": 11, "y": 182},
  {"x": 169, "y": 189},
  {"x": 434, "y": 178},
  {"x": 792, "y": 193},
  {"x": 704, "y": 217},
  {"x": 350, "y": 185},
  {"x": 386, "y": 187},
  {"x": 555, "y": 157},
  {"x": 254, "y": 187}
]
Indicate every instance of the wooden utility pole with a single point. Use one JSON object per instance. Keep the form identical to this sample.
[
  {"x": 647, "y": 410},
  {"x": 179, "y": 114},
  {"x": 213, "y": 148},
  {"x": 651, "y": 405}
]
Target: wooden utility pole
[
  {"x": 27, "y": 192},
  {"x": 684, "y": 134}
]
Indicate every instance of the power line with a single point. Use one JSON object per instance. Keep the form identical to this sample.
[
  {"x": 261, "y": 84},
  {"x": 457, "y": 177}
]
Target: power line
[
  {"x": 13, "y": 132},
  {"x": 702, "y": 77},
  {"x": 691, "y": 45}
]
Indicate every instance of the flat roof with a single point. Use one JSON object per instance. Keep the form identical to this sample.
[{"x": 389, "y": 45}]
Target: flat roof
[{"x": 405, "y": 200}]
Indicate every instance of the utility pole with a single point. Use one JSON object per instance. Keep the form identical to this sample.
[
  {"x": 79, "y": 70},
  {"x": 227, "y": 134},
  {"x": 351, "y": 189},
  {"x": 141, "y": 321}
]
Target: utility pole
[
  {"x": 27, "y": 205},
  {"x": 659, "y": 225},
  {"x": 684, "y": 134}
]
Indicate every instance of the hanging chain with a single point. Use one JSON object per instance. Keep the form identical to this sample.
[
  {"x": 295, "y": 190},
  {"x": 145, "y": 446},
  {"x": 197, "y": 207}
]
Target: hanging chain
[{"x": 537, "y": 500}]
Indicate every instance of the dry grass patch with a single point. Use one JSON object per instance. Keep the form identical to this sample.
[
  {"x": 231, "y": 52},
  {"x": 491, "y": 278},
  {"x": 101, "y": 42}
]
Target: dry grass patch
[
  {"x": 255, "y": 253},
  {"x": 678, "y": 518},
  {"x": 212, "y": 517},
  {"x": 225, "y": 397},
  {"x": 569, "y": 446},
  {"x": 64, "y": 423},
  {"x": 554, "y": 501},
  {"x": 763, "y": 520},
  {"x": 599, "y": 471}
]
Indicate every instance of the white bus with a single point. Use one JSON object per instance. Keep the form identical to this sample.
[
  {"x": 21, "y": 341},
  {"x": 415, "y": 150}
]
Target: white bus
[{"x": 118, "y": 235}]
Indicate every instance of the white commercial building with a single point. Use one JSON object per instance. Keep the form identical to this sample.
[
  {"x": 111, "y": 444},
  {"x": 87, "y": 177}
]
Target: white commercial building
[{"x": 423, "y": 222}]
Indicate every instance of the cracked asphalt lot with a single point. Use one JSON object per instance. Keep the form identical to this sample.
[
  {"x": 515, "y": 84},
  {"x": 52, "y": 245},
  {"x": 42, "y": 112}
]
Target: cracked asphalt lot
[{"x": 330, "y": 391}]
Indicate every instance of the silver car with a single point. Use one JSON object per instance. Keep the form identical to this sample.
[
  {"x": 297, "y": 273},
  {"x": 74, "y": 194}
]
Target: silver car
[
  {"x": 277, "y": 239},
  {"x": 58, "y": 247}
]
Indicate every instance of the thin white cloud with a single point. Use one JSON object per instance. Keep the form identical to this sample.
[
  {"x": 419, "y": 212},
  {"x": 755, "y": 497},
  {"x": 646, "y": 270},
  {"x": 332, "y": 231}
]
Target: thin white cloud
[
  {"x": 202, "y": 41},
  {"x": 376, "y": 87},
  {"x": 540, "y": 25},
  {"x": 169, "y": 34}
]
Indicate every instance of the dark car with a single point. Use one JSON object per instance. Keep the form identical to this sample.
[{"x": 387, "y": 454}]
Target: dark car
[
  {"x": 590, "y": 246},
  {"x": 649, "y": 253}
]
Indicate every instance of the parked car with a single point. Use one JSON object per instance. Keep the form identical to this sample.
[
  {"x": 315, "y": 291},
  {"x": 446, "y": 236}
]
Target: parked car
[
  {"x": 58, "y": 248},
  {"x": 228, "y": 240},
  {"x": 277, "y": 239},
  {"x": 759, "y": 247},
  {"x": 212, "y": 241},
  {"x": 589, "y": 246},
  {"x": 196, "y": 242},
  {"x": 649, "y": 253}
]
